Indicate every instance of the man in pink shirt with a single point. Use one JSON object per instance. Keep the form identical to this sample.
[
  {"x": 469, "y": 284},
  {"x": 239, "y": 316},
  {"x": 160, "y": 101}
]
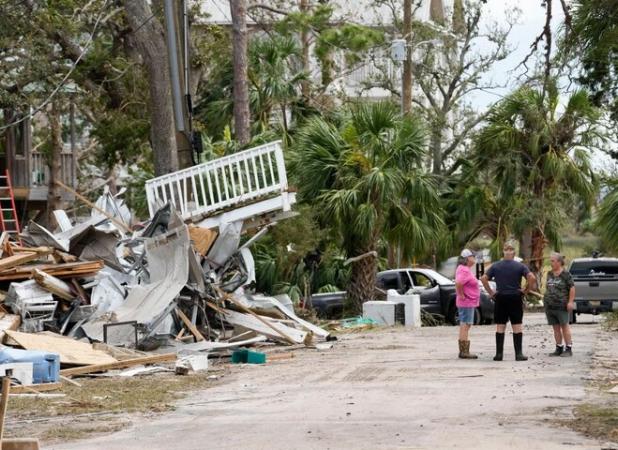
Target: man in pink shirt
[{"x": 468, "y": 298}]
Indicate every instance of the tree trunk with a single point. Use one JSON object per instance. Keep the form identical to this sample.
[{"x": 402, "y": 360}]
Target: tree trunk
[
  {"x": 149, "y": 39},
  {"x": 406, "y": 82},
  {"x": 238, "y": 9},
  {"x": 304, "y": 42},
  {"x": 54, "y": 197},
  {"x": 362, "y": 284},
  {"x": 525, "y": 245},
  {"x": 538, "y": 249},
  {"x": 437, "y": 130}
]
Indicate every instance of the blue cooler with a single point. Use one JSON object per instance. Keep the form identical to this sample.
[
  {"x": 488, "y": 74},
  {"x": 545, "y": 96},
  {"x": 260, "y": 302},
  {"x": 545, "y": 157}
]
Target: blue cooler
[{"x": 45, "y": 365}]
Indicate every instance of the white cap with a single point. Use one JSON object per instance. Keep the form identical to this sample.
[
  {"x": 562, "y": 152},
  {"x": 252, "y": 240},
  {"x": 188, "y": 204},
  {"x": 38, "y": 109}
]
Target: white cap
[{"x": 466, "y": 252}]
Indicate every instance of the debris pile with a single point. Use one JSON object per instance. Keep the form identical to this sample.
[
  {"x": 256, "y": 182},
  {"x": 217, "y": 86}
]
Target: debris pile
[{"x": 108, "y": 293}]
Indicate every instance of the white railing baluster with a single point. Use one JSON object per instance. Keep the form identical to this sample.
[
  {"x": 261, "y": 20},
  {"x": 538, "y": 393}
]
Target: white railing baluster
[
  {"x": 219, "y": 199},
  {"x": 210, "y": 191},
  {"x": 239, "y": 172},
  {"x": 255, "y": 173},
  {"x": 270, "y": 168},
  {"x": 202, "y": 190}
]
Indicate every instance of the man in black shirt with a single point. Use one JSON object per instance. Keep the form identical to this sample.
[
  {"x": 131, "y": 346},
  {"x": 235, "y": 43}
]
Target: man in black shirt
[{"x": 508, "y": 298}]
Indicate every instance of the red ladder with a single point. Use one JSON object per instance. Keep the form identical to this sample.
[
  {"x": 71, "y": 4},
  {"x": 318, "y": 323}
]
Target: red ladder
[{"x": 8, "y": 213}]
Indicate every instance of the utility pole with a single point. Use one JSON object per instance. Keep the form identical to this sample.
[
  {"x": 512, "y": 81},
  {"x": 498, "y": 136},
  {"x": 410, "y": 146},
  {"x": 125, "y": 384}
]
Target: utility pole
[
  {"x": 242, "y": 118},
  {"x": 406, "y": 81},
  {"x": 179, "y": 58}
]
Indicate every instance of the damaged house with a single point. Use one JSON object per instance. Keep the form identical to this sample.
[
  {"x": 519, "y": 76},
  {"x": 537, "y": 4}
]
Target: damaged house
[{"x": 180, "y": 283}]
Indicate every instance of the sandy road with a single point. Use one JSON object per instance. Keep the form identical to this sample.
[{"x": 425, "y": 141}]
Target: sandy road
[{"x": 390, "y": 389}]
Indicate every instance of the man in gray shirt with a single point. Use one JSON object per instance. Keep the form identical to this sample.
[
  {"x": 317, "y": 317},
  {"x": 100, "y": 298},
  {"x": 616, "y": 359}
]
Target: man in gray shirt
[{"x": 508, "y": 298}]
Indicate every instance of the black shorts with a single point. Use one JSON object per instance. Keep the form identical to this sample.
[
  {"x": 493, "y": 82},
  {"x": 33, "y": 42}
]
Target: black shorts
[{"x": 509, "y": 307}]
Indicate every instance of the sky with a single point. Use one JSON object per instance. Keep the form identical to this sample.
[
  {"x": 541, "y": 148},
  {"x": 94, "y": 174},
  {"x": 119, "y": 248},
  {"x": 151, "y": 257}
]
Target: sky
[{"x": 528, "y": 27}]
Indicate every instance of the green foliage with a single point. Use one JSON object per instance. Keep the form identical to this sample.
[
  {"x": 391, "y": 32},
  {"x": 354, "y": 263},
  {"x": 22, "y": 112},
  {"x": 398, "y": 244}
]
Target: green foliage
[
  {"x": 594, "y": 40},
  {"x": 121, "y": 137},
  {"x": 366, "y": 180},
  {"x": 606, "y": 223},
  {"x": 281, "y": 256},
  {"x": 529, "y": 169}
]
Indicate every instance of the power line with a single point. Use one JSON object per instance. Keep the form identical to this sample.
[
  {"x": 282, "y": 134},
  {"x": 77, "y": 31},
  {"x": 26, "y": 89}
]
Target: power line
[{"x": 65, "y": 78}]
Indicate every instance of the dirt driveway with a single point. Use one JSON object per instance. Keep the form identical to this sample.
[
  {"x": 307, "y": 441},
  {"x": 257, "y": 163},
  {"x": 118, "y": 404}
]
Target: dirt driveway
[{"x": 389, "y": 389}]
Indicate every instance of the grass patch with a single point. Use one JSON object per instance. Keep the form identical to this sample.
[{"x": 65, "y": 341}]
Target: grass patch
[
  {"x": 139, "y": 394},
  {"x": 72, "y": 431},
  {"x": 611, "y": 321},
  {"x": 597, "y": 421},
  {"x": 107, "y": 399}
]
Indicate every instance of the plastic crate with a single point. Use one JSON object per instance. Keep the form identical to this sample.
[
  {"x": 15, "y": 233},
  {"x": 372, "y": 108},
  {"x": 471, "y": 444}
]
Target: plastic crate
[{"x": 245, "y": 356}]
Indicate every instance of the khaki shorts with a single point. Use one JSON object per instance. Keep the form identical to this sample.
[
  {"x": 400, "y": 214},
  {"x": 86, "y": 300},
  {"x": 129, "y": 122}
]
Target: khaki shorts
[{"x": 557, "y": 316}]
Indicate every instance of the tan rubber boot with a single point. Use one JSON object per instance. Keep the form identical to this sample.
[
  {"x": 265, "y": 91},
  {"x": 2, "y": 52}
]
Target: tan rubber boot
[
  {"x": 462, "y": 353},
  {"x": 468, "y": 354}
]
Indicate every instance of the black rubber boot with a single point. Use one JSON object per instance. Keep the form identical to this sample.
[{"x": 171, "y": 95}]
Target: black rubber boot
[
  {"x": 558, "y": 351},
  {"x": 517, "y": 343},
  {"x": 499, "y": 347}
]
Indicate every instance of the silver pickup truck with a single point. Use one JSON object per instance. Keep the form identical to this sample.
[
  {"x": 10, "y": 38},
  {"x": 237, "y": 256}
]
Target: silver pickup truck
[{"x": 596, "y": 285}]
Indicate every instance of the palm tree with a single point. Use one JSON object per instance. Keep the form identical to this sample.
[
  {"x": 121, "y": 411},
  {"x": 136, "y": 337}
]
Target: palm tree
[
  {"x": 365, "y": 178},
  {"x": 606, "y": 222},
  {"x": 536, "y": 162},
  {"x": 274, "y": 81}
]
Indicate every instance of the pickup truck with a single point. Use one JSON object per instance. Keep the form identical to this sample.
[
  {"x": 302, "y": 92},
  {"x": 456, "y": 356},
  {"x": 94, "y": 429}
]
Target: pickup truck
[
  {"x": 596, "y": 285},
  {"x": 437, "y": 292}
]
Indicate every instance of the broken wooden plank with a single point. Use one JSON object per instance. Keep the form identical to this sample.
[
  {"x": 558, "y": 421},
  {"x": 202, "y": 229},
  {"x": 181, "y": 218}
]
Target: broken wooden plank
[
  {"x": 279, "y": 356},
  {"x": 53, "y": 284},
  {"x": 20, "y": 444},
  {"x": 81, "y": 292},
  {"x": 77, "y": 269},
  {"x": 43, "y": 387},
  {"x": 202, "y": 238},
  {"x": 208, "y": 346},
  {"x": 192, "y": 328},
  {"x": 235, "y": 302},
  {"x": 303, "y": 323},
  {"x": 8, "y": 322},
  {"x": 70, "y": 350},
  {"x": 4, "y": 237},
  {"x": 124, "y": 227},
  {"x": 17, "y": 260},
  {"x": 261, "y": 325},
  {"x": 166, "y": 357},
  {"x": 120, "y": 353},
  {"x": 181, "y": 334},
  {"x": 43, "y": 251}
]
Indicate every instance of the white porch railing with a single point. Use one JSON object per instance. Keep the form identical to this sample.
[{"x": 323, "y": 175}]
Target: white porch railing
[{"x": 243, "y": 177}]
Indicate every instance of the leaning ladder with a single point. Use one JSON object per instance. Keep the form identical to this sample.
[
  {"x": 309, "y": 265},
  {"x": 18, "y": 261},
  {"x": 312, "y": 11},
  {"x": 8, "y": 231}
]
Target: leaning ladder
[{"x": 8, "y": 213}]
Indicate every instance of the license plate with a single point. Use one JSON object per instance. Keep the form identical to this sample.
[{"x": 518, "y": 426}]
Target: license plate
[{"x": 595, "y": 303}]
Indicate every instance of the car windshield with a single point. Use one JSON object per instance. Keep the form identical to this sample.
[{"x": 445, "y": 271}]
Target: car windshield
[
  {"x": 440, "y": 279},
  {"x": 594, "y": 268}
]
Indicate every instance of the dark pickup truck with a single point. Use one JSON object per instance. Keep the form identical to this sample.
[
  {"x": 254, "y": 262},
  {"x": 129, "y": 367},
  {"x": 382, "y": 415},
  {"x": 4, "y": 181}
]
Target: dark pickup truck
[
  {"x": 596, "y": 285},
  {"x": 436, "y": 291}
]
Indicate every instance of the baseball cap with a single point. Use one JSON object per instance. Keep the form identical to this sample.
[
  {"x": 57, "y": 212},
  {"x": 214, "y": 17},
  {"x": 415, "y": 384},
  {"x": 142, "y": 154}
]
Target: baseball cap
[{"x": 466, "y": 252}]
